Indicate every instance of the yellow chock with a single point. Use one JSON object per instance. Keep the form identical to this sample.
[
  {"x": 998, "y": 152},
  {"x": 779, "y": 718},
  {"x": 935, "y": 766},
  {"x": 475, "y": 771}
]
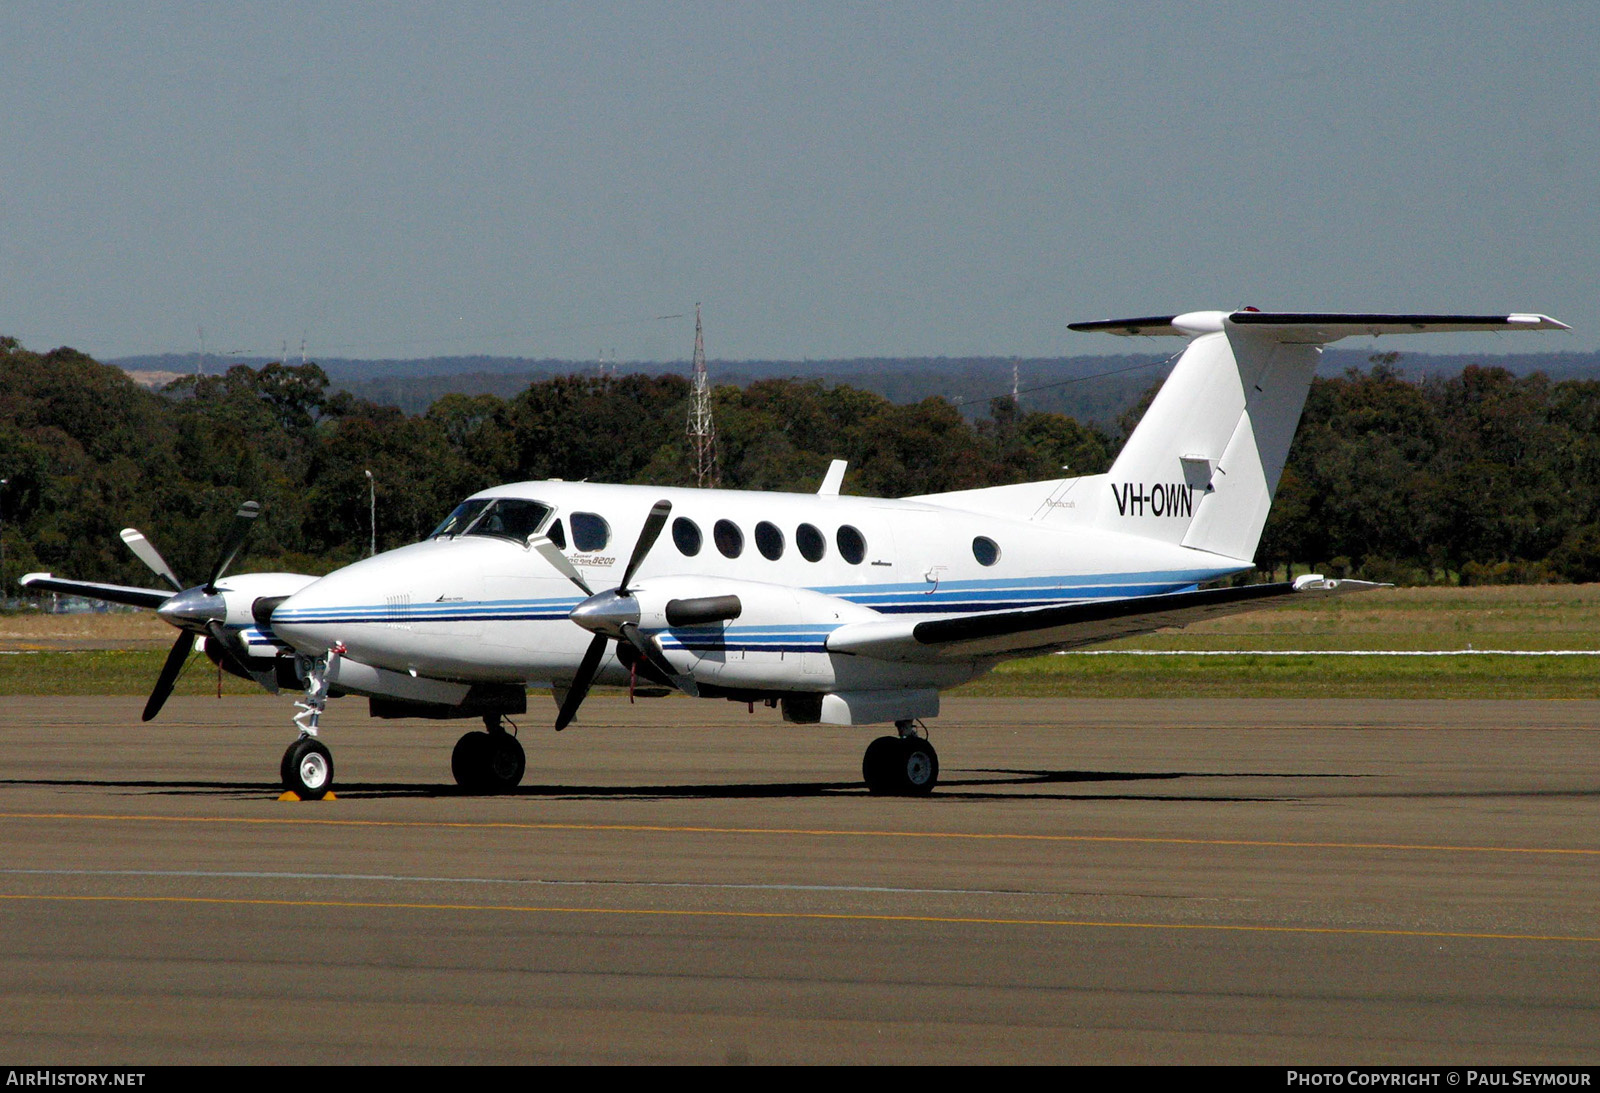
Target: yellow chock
[{"x": 291, "y": 795}]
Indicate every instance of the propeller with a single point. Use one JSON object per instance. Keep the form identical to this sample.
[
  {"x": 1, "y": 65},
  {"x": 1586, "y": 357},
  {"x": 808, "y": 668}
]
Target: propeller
[
  {"x": 194, "y": 611},
  {"x": 611, "y": 616}
]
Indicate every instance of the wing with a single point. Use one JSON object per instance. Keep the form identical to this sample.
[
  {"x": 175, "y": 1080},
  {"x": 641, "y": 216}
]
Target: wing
[
  {"x": 1044, "y": 629},
  {"x": 111, "y": 593}
]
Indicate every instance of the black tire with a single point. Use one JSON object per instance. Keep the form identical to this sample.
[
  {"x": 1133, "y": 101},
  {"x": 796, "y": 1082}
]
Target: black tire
[
  {"x": 879, "y": 763},
  {"x": 469, "y": 762},
  {"x": 307, "y": 769},
  {"x": 504, "y": 762}
]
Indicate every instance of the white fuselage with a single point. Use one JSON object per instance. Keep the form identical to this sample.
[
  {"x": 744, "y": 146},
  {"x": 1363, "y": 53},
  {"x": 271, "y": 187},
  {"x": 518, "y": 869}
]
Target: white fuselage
[{"x": 480, "y": 608}]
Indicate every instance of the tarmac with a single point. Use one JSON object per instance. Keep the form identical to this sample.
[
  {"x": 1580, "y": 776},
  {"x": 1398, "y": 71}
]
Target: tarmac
[{"x": 1154, "y": 881}]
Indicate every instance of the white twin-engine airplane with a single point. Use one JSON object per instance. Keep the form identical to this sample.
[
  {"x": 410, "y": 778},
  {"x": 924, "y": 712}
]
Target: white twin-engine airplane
[{"x": 843, "y": 610}]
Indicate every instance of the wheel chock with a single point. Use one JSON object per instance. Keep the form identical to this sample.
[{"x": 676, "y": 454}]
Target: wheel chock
[{"x": 291, "y": 795}]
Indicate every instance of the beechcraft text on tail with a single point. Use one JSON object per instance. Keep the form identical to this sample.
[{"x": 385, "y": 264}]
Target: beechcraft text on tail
[{"x": 832, "y": 609}]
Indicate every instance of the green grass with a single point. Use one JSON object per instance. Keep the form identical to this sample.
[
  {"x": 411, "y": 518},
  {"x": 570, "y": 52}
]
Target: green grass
[
  {"x": 108, "y": 672},
  {"x": 1541, "y": 617},
  {"x": 1275, "y": 675}
]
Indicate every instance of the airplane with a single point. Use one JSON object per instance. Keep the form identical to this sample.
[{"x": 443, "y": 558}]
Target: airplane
[{"x": 833, "y": 609}]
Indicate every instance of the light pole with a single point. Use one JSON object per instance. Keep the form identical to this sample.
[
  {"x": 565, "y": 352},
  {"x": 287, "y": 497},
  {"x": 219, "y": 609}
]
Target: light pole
[{"x": 372, "y": 515}]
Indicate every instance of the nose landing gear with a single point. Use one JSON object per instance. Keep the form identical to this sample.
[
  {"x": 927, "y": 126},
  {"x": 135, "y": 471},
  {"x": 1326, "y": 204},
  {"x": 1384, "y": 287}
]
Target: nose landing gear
[
  {"x": 307, "y": 767},
  {"x": 901, "y": 766}
]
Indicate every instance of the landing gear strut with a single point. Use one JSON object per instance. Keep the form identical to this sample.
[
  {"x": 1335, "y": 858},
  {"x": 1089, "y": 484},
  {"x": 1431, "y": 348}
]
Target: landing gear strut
[
  {"x": 307, "y": 766},
  {"x": 901, "y": 766},
  {"x": 488, "y": 762}
]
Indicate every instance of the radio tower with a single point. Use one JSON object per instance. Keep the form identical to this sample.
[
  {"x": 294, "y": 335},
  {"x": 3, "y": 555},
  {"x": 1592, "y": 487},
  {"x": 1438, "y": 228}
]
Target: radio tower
[{"x": 702, "y": 433}]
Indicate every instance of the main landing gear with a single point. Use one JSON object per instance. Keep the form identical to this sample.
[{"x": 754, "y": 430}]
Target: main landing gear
[
  {"x": 488, "y": 762},
  {"x": 901, "y": 766}
]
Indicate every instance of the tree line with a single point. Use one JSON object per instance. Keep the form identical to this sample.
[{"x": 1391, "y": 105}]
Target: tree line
[{"x": 1477, "y": 477}]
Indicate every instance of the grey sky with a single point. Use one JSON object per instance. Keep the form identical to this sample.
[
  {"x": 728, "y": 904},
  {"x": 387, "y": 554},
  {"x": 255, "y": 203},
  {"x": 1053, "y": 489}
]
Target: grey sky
[{"x": 831, "y": 180}]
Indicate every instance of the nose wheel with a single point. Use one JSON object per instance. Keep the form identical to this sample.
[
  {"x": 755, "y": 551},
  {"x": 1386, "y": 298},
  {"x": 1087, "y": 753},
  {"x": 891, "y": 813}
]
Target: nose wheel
[
  {"x": 307, "y": 769},
  {"x": 488, "y": 762},
  {"x": 900, "y": 766}
]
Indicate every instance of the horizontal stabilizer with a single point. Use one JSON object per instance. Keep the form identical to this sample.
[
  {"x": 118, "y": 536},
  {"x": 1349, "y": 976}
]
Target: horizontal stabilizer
[
  {"x": 1314, "y": 327},
  {"x": 1034, "y": 630},
  {"x": 110, "y": 593}
]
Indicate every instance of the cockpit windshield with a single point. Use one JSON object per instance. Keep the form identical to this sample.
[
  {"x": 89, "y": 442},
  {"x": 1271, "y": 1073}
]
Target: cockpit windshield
[
  {"x": 510, "y": 518},
  {"x": 459, "y": 519}
]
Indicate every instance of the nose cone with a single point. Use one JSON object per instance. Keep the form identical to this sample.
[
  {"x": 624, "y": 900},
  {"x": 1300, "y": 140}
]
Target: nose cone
[
  {"x": 362, "y": 604},
  {"x": 322, "y": 613}
]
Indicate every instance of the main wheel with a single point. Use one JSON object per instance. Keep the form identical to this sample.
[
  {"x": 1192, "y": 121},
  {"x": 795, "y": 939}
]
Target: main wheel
[
  {"x": 918, "y": 767},
  {"x": 506, "y": 762},
  {"x": 878, "y": 765},
  {"x": 900, "y": 766},
  {"x": 469, "y": 762},
  {"x": 307, "y": 769}
]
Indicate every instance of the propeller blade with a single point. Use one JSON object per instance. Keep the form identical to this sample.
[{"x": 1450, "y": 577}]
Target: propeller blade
[
  {"x": 236, "y": 535},
  {"x": 169, "y": 674},
  {"x": 582, "y": 681},
  {"x": 652, "y": 653},
  {"x": 647, "y": 539},
  {"x": 147, "y": 553},
  {"x": 552, "y": 554}
]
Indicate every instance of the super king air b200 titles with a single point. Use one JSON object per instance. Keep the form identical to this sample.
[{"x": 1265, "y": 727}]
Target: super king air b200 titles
[{"x": 842, "y": 610}]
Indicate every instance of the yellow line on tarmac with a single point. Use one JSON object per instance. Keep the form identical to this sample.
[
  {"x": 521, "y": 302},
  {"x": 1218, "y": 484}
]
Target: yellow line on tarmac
[
  {"x": 941, "y": 920},
  {"x": 672, "y": 829}
]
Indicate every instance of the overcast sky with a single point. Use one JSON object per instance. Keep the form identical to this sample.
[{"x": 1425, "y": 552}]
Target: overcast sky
[{"x": 829, "y": 180}]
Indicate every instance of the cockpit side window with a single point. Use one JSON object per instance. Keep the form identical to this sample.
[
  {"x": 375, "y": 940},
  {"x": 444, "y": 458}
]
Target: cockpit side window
[
  {"x": 589, "y": 531},
  {"x": 511, "y": 518},
  {"x": 460, "y": 518}
]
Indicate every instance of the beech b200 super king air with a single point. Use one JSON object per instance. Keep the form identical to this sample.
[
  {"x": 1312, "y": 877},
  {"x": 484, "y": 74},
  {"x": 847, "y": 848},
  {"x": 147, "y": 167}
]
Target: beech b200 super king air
[{"x": 841, "y": 610}]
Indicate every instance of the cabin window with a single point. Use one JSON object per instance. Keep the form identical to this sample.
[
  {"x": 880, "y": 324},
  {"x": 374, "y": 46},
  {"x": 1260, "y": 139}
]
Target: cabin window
[
  {"x": 769, "y": 540},
  {"x": 852, "y": 547},
  {"x": 986, "y": 550},
  {"x": 686, "y": 536},
  {"x": 460, "y": 518},
  {"x": 811, "y": 543},
  {"x": 728, "y": 537},
  {"x": 510, "y": 518},
  {"x": 558, "y": 535},
  {"x": 589, "y": 532}
]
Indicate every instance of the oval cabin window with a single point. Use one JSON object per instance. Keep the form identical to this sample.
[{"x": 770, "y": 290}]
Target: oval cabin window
[
  {"x": 686, "y": 536},
  {"x": 728, "y": 537},
  {"x": 810, "y": 542},
  {"x": 852, "y": 547},
  {"x": 986, "y": 550},
  {"x": 769, "y": 540}
]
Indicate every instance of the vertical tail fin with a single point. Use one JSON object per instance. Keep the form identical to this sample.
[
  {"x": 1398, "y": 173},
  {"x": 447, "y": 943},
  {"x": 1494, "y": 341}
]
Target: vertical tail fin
[{"x": 1203, "y": 465}]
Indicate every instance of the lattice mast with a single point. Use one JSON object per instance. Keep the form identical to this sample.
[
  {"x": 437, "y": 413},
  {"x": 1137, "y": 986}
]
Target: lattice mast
[{"x": 702, "y": 431}]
